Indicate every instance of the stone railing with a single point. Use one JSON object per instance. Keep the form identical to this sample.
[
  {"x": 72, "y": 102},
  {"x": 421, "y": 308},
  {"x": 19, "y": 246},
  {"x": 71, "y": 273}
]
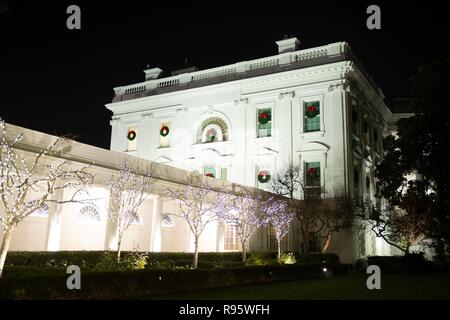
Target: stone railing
[{"x": 300, "y": 56}]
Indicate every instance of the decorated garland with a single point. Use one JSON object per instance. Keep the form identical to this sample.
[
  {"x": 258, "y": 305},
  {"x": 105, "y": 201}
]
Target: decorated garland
[
  {"x": 312, "y": 111},
  {"x": 264, "y": 117},
  {"x": 263, "y": 177},
  {"x": 313, "y": 173},
  {"x": 209, "y": 174},
  {"x": 131, "y": 135},
  {"x": 164, "y": 131}
]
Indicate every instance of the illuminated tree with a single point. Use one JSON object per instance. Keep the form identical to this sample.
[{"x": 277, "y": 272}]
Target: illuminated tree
[
  {"x": 279, "y": 215},
  {"x": 317, "y": 211},
  {"x": 406, "y": 224},
  {"x": 128, "y": 189},
  {"x": 241, "y": 208},
  {"x": 194, "y": 201},
  {"x": 30, "y": 180},
  {"x": 303, "y": 201},
  {"x": 334, "y": 213}
]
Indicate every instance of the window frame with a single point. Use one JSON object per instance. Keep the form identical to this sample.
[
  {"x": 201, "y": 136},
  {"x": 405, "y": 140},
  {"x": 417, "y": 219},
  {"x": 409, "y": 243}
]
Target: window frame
[
  {"x": 164, "y": 142},
  {"x": 259, "y": 110},
  {"x": 236, "y": 245},
  {"x": 132, "y": 146},
  {"x": 302, "y": 104},
  {"x": 91, "y": 222}
]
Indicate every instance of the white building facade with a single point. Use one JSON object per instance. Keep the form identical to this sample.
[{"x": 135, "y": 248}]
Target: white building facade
[
  {"x": 316, "y": 108},
  {"x": 86, "y": 226},
  {"x": 244, "y": 122}
]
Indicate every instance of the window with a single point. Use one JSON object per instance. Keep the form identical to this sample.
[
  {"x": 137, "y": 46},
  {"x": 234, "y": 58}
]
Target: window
[
  {"x": 376, "y": 141},
  {"x": 315, "y": 242},
  {"x": 312, "y": 178},
  {"x": 209, "y": 171},
  {"x": 212, "y": 130},
  {"x": 42, "y": 211},
  {"x": 167, "y": 220},
  {"x": 223, "y": 174},
  {"x": 231, "y": 241},
  {"x": 211, "y": 135},
  {"x": 164, "y": 134},
  {"x": 132, "y": 138},
  {"x": 356, "y": 183},
  {"x": 312, "y": 116},
  {"x": 355, "y": 122},
  {"x": 264, "y": 121},
  {"x": 366, "y": 133},
  {"x": 368, "y": 183},
  {"x": 88, "y": 214}
]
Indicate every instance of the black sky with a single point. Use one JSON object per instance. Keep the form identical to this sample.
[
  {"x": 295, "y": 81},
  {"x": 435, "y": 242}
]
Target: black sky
[{"x": 57, "y": 80}]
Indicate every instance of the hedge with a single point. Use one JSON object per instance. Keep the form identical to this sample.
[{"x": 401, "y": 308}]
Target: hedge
[
  {"x": 410, "y": 263},
  {"x": 89, "y": 259},
  {"x": 144, "y": 283}
]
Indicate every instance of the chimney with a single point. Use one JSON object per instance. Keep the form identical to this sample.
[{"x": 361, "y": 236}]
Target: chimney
[
  {"x": 288, "y": 44},
  {"x": 153, "y": 73}
]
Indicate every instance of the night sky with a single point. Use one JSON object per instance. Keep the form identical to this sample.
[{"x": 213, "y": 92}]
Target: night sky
[{"x": 57, "y": 80}]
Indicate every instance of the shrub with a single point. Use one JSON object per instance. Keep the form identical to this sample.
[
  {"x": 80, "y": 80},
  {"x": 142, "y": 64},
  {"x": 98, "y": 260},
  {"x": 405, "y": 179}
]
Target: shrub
[
  {"x": 416, "y": 263},
  {"x": 261, "y": 259},
  {"x": 389, "y": 264},
  {"x": 27, "y": 271},
  {"x": 329, "y": 258},
  {"x": 144, "y": 283},
  {"x": 96, "y": 259},
  {"x": 166, "y": 264},
  {"x": 130, "y": 261},
  {"x": 410, "y": 263},
  {"x": 288, "y": 258}
]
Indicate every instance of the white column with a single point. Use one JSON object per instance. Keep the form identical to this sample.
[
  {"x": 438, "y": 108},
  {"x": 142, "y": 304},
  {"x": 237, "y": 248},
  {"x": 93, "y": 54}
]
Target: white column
[
  {"x": 145, "y": 135},
  {"x": 119, "y": 142},
  {"x": 111, "y": 235},
  {"x": 155, "y": 237},
  {"x": 283, "y": 126},
  {"x": 54, "y": 224},
  {"x": 220, "y": 237}
]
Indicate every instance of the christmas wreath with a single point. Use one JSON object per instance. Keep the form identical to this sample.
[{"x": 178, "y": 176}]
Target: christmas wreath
[
  {"x": 263, "y": 177},
  {"x": 313, "y": 173},
  {"x": 312, "y": 111},
  {"x": 209, "y": 174},
  {"x": 131, "y": 135},
  {"x": 164, "y": 131},
  {"x": 263, "y": 118}
]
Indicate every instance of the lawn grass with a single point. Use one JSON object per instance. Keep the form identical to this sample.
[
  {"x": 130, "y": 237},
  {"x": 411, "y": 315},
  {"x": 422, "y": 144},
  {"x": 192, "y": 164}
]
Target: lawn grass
[{"x": 351, "y": 286}]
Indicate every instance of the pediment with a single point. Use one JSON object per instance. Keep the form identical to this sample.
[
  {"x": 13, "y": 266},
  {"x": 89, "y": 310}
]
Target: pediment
[
  {"x": 163, "y": 160},
  {"x": 314, "y": 146}
]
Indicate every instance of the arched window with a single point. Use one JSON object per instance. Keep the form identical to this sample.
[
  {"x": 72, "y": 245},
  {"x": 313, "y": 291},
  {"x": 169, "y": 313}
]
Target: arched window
[
  {"x": 212, "y": 130},
  {"x": 88, "y": 214}
]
